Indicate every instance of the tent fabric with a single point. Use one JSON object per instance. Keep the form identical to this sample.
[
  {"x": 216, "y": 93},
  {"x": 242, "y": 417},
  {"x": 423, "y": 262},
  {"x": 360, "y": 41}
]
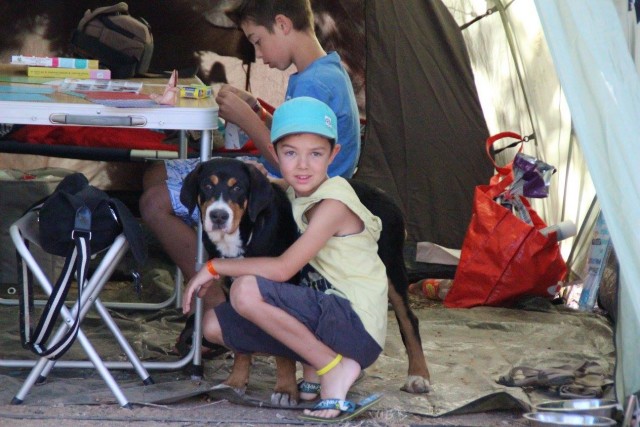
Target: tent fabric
[
  {"x": 563, "y": 71},
  {"x": 602, "y": 88},
  {"x": 425, "y": 133},
  {"x": 520, "y": 92}
]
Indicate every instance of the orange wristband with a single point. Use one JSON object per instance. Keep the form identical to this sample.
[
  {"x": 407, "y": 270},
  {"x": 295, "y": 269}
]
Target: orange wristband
[{"x": 211, "y": 269}]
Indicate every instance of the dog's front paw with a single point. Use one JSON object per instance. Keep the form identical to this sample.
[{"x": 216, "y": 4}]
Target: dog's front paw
[
  {"x": 283, "y": 399},
  {"x": 240, "y": 390},
  {"x": 416, "y": 384}
]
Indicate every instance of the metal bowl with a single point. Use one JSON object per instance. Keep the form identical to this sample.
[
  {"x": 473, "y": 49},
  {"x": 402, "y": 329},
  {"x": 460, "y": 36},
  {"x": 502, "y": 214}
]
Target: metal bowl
[
  {"x": 559, "y": 419},
  {"x": 595, "y": 407}
]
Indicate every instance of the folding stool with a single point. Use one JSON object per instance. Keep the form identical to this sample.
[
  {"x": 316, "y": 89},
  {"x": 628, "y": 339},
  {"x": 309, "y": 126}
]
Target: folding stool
[{"x": 25, "y": 231}]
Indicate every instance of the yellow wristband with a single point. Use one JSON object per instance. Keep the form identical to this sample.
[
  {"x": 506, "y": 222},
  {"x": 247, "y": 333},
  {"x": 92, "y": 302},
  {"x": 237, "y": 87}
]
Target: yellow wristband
[
  {"x": 329, "y": 366},
  {"x": 211, "y": 269}
]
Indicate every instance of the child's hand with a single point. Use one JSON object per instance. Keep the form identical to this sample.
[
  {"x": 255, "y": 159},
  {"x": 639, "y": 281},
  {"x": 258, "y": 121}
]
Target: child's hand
[
  {"x": 197, "y": 285},
  {"x": 245, "y": 96},
  {"x": 257, "y": 165},
  {"x": 234, "y": 104}
]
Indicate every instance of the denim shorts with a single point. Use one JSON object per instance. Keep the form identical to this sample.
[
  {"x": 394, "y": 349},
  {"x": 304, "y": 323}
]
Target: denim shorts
[
  {"x": 330, "y": 317},
  {"x": 177, "y": 170}
]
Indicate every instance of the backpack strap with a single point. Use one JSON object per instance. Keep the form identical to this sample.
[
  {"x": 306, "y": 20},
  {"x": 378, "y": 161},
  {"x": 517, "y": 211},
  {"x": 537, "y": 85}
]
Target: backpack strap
[
  {"x": 77, "y": 261},
  {"x": 132, "y": 230}
]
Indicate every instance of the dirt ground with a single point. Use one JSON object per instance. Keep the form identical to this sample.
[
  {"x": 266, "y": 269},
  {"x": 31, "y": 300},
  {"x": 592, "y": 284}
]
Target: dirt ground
[
  {"x": 224, "y": 413},
  {"x": 211, "y": 410},
  {"x": 203, "y": 410}
]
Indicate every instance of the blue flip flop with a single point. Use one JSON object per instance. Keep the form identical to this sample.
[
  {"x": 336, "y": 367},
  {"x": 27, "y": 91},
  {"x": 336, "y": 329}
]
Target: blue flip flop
[
  {"x": 348, "y": 409},
  {"x": 308, "y": 387}
]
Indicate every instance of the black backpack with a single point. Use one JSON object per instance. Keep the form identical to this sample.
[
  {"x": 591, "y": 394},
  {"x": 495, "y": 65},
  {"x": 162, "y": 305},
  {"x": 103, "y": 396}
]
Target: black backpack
[
  {"x": 120, "y": 42},
  {"x": 76, "y": 221}
]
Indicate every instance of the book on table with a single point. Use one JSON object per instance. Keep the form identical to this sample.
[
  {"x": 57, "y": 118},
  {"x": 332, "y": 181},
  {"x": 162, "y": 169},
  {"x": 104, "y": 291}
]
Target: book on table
[
  {"x": 68, "y": 73},
  {"x": 55, "y": 62}
]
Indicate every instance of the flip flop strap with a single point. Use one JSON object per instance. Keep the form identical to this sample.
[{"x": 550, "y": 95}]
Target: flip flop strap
[
  {"x": 308, "y": 387},
  {"x": 339, "y": 404}
]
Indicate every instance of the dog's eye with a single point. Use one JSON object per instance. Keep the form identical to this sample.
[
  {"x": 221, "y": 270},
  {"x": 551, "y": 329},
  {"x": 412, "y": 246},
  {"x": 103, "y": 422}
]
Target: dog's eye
[
  {"x": 235, "y": 188},
  {"x": 207, "y": 186}
]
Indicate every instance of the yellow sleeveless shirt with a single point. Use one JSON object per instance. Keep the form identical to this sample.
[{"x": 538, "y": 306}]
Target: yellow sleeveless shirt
[{"x": 351, "y": 263}]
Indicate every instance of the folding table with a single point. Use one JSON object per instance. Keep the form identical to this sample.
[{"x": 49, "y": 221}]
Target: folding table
[{"x": 61, "y": 109}]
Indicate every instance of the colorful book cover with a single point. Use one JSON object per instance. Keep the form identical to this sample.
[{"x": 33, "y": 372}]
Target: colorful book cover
[
  {"x": 100, "y": 85},
  {"x": 68, "y": 73},
  {"x": 55, "y": 62}
]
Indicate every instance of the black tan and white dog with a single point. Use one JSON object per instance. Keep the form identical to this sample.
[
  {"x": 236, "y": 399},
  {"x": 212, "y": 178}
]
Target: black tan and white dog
[{"x": 244, "y": 214}]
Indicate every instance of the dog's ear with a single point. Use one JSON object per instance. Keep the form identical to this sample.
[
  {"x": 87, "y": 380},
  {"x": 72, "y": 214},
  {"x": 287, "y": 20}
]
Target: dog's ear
[
  {"x": 189, "y": 191},
  {"x": 261, "y": 193}
]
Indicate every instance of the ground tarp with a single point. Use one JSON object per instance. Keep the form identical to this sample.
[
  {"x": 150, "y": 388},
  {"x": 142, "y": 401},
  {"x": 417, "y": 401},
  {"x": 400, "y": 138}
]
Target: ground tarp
[{"x": 467, "y": 351}]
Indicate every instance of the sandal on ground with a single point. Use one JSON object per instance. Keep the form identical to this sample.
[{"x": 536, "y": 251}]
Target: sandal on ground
[
  {"x": 591, "y": 382},
  {"x": 522, "y": 376},
  {"x": 348, "y": 409},
  {"x": 578, "y": 391},
  {"x": 314, "y": 388},
  {"x": 182, "y": 347},
  {"x": 309, "y": 388},
  {"x": 591, "y": 374}
]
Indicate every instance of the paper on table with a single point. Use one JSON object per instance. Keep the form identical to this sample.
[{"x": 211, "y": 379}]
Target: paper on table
[
  {"x": 26, "y": 89},
  {"x": 127, "y": 103},
  {"x": 24, "y": 97},
  {"x": 95, "y": 85},
  {"x": 115, "y": 95},
  {"x": 436, "y": 254}
]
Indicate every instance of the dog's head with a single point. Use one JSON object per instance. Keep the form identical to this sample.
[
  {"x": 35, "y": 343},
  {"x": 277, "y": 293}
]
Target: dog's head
[{"x": 225, "y": 190}]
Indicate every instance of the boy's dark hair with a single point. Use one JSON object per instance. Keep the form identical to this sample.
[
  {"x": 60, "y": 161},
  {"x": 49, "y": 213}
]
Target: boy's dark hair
[{"x": 263, "y": 13}]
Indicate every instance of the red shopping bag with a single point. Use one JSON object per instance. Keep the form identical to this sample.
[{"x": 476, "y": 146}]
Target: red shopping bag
[{"x": 503, "y": 258}]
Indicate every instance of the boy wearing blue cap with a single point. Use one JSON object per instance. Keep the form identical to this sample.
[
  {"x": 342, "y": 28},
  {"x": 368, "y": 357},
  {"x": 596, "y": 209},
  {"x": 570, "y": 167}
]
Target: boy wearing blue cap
[{"x": 336, "y": 324}]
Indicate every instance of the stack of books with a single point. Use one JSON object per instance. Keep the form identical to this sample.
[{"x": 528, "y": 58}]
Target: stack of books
[{"x": 75, "y": 68}]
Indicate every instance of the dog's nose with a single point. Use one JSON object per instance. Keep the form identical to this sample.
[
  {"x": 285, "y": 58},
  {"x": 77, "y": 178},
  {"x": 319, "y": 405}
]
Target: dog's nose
[{"x": 219, "y": 216}]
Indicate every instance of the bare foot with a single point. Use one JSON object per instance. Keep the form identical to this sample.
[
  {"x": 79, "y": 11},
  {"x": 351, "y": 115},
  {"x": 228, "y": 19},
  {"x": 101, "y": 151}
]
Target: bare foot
[{"x": 335, "y": 384}]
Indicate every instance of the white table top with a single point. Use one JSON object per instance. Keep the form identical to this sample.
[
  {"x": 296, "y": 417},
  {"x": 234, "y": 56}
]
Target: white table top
[{"x": 188, "y": 114}]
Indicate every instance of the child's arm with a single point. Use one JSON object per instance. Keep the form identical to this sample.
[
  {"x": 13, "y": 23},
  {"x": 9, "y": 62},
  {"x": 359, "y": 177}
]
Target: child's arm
[
  {"x": 326, "y": 219},
  {"x": 235, "y": 106}
]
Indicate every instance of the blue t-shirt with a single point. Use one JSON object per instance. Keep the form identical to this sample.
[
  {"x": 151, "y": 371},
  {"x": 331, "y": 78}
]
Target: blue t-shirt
[{"x": 327, "y": 80}]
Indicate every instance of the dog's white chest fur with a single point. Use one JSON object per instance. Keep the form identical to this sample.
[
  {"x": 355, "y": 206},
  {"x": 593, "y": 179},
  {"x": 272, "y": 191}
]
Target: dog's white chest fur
[{"x": 229, "y": 245}]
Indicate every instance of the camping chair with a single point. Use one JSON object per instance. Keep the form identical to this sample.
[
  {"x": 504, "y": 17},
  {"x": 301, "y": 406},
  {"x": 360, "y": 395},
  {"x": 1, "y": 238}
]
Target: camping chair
[{"x": 24, "y": 232}]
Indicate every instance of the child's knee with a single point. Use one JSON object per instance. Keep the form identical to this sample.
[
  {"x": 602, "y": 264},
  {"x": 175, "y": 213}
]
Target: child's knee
[{"x": 244, "y": 294}]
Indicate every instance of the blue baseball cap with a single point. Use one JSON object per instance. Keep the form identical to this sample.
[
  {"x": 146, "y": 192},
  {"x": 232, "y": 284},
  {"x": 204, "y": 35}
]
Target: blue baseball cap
[{"x": 304, "y": 115}]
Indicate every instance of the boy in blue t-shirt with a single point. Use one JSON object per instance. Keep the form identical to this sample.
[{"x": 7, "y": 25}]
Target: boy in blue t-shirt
[{"x": 282, "y": 33}]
